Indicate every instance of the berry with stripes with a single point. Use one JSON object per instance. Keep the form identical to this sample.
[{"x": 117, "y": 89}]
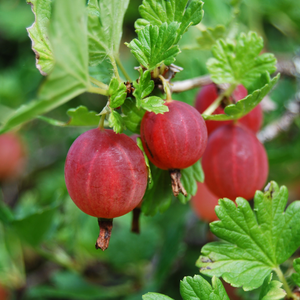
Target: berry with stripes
[
  {"x": 106, "y": 177},
  {"x": 235, "y": 163},
  {"x": 174, "y": 140}
]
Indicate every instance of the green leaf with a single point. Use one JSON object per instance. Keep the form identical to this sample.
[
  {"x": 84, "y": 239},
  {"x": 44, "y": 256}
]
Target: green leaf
[
  {"x": 210, "y": 36},
  {"x": 81, "y": 116},
  {"x": 197, "y": 288},
  {"x": 296, "y": 276},
  {"x": 154, "y": 104},
  {"x": 189, "y": 178},
  {"x": 155, "y": 296},
  {"x": 155, "y": 45},
  {"x": 271, "y": 290},
  {"x": 158, "y": 196},
  {"x": 38, "y": 33},
  {"x": 133, "y": 115},
  {"x": 143, "y": 87},
  {"x": 33, "y": 228},
  {"x": 69, "y": 77},
  {"x": 244, "y": 106},
  {"x": 140, "y": 145},
  {"x": 105, "y": 21},
  {"x": 255, "y": 242},
  {"x": 156, "y": 12},
  {"x": 117, "y": 93},
  {"x": 116, "y": 122},
  {"x": 240, "y": 62}
]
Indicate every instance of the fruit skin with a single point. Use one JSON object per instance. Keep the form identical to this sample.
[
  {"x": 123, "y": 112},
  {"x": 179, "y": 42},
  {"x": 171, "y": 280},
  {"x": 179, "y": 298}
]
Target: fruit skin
[
  {"x": 105, "y": 173},
  {"x": 206, "y": 96},
  {"x": 175, "y": 139},
  {"x": 204, "y": 203},
  {"x": 12, "y": 156},
  {"x": 235, "y": 163}
]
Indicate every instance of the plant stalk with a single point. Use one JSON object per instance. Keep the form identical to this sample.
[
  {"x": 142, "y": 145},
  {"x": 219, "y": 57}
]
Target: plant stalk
[
  {"x": 96, "y": 90},
  {"x": 289, "y": 293},
  {"x": 99, "y": 83},
  {"x": 166, "y": 87},
  {"x": 116, "y": 72},
  {"x": 218, "y": 101},
  {"x": 120, "y": 65}
]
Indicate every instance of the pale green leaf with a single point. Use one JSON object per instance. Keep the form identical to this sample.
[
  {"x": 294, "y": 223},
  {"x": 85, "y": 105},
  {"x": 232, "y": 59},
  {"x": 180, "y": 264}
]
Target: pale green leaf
[
  {"x": 116, "y": 122},
  {"x": 133, "y": 115},
  {"x": 154, "y": 104},
  {"x": 271, "y": 290},
  {"x": 240, "y": 62},
  {"x": 81, "y": 116},
  {"x": 105, "y": 21},
  {"x": 197, "y": 288},
  {"x": 39, "y": 35},
  {"x": 158, "y": 196},
  {"x": 155, "y": 296},
  {"x": 210, "y": 36},
  {"x": 156, "y": 12},
  {"x": 69, "y": 77},
  {"x": 117, "y": 93},
  {"x": 244, "y": 106},
  {"x": 156, "y": 45},
  {"x": 189, "y": 178},
  {"x": 296, "y": 276},
  {"x": 255, "y": 242}
]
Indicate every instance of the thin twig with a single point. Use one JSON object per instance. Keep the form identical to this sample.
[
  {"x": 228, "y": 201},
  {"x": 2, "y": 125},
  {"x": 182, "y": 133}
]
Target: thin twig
[{"x": 188, "y": 84}]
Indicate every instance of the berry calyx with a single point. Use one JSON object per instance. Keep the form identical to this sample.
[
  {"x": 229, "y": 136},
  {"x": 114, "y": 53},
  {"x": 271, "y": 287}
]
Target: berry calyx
[
  {"x": 235, "y": 163},
  {"x": 207, "y": 95},
  {"x": 174, "y": 140},
  {"x": 105, "y": 173}
]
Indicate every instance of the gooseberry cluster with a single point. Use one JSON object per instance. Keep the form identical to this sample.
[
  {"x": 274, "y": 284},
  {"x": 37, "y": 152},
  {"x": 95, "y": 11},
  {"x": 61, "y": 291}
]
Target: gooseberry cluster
[{"x": 106, "y": 174}]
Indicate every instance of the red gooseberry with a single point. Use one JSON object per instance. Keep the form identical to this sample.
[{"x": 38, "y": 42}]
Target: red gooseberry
[
  {"x": 235, "y": 163},
  {"x": 106, "y": 174},
  {"x": 207, "y": 95},
  {"x": 174, "y": 140}
]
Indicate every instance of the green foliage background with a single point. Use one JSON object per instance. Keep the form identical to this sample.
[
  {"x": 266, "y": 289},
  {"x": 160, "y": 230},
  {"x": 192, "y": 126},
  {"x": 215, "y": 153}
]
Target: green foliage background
[{"x": 47, "y": 244}]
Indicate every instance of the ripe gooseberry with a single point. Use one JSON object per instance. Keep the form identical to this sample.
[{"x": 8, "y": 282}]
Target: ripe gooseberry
[
  {"x": 204, "y": 203},
  {"x": 174, "y": 140},
  {"x": 12, "y": 156},
  {"x": 106, "y": 177},
  {"x": 235, "y": 163},
  {"x": 209, "y": 93}
]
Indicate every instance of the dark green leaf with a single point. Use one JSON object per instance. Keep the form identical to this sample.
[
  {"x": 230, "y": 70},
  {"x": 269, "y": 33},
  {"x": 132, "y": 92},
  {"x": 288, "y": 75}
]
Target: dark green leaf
[
  {"x": 189, "y": 178},
  {"x": 271, "y": 290},
  {"x": 133, "y": 115},
  {"x": 6, "y": 215},
  {"x": 185, "y": 12},
  {"x": 69, "y": 77},
  {"x": 240, "y": 62},
  {"x": 155, "y": 296},
  {"x": 257, "y": 242},
  {"x": 158, "y": 196},
  {"x": 156, "y": 45},
  {"x": 116, "y": 122},
  {"x": 38, "y": 33},
  {"x": 117, "y": 93},
  {"x": 244, "y": 106},
  {"x": 296, "y": 276},
  {"x": 210, "y": 36},
  {"x": 143, "y": 87},
  {"x": 105, "y": 21},
  {"x": 197, "y": 288}
]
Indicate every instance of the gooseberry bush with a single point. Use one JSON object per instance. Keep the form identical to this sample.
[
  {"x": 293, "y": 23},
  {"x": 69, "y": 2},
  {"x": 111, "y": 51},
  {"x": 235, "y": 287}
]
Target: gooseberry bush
[{"x": 108, "y": 174}]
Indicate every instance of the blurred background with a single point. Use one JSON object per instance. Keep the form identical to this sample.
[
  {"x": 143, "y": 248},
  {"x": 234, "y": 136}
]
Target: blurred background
[{"x": 46, "y": 243}]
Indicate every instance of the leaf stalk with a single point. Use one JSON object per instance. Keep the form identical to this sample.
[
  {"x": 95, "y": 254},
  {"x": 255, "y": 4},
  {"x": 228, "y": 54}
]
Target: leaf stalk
[
  {"x": 120, "y": 65},
  {"x": 98, "y": 83},
  {"x": 289, "y": 293},
  {"x": 166, "y": 87},
  {"x": 97, "y": 90}
]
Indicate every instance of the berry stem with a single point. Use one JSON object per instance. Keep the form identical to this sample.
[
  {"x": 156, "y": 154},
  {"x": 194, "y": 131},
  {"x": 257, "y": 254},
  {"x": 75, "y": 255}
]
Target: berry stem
[
  {"x": 101, "y": 122},
  {"x": 105, "y": 226},
  {"x": 98, "y": 83},
  {"x": 120, "y": 65},
  {"x": 135, "y": 225},
  {"x": 177, "y": 186},
  {"x": 166, "y": 88},
  {"x": 218, "y": 101}
]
